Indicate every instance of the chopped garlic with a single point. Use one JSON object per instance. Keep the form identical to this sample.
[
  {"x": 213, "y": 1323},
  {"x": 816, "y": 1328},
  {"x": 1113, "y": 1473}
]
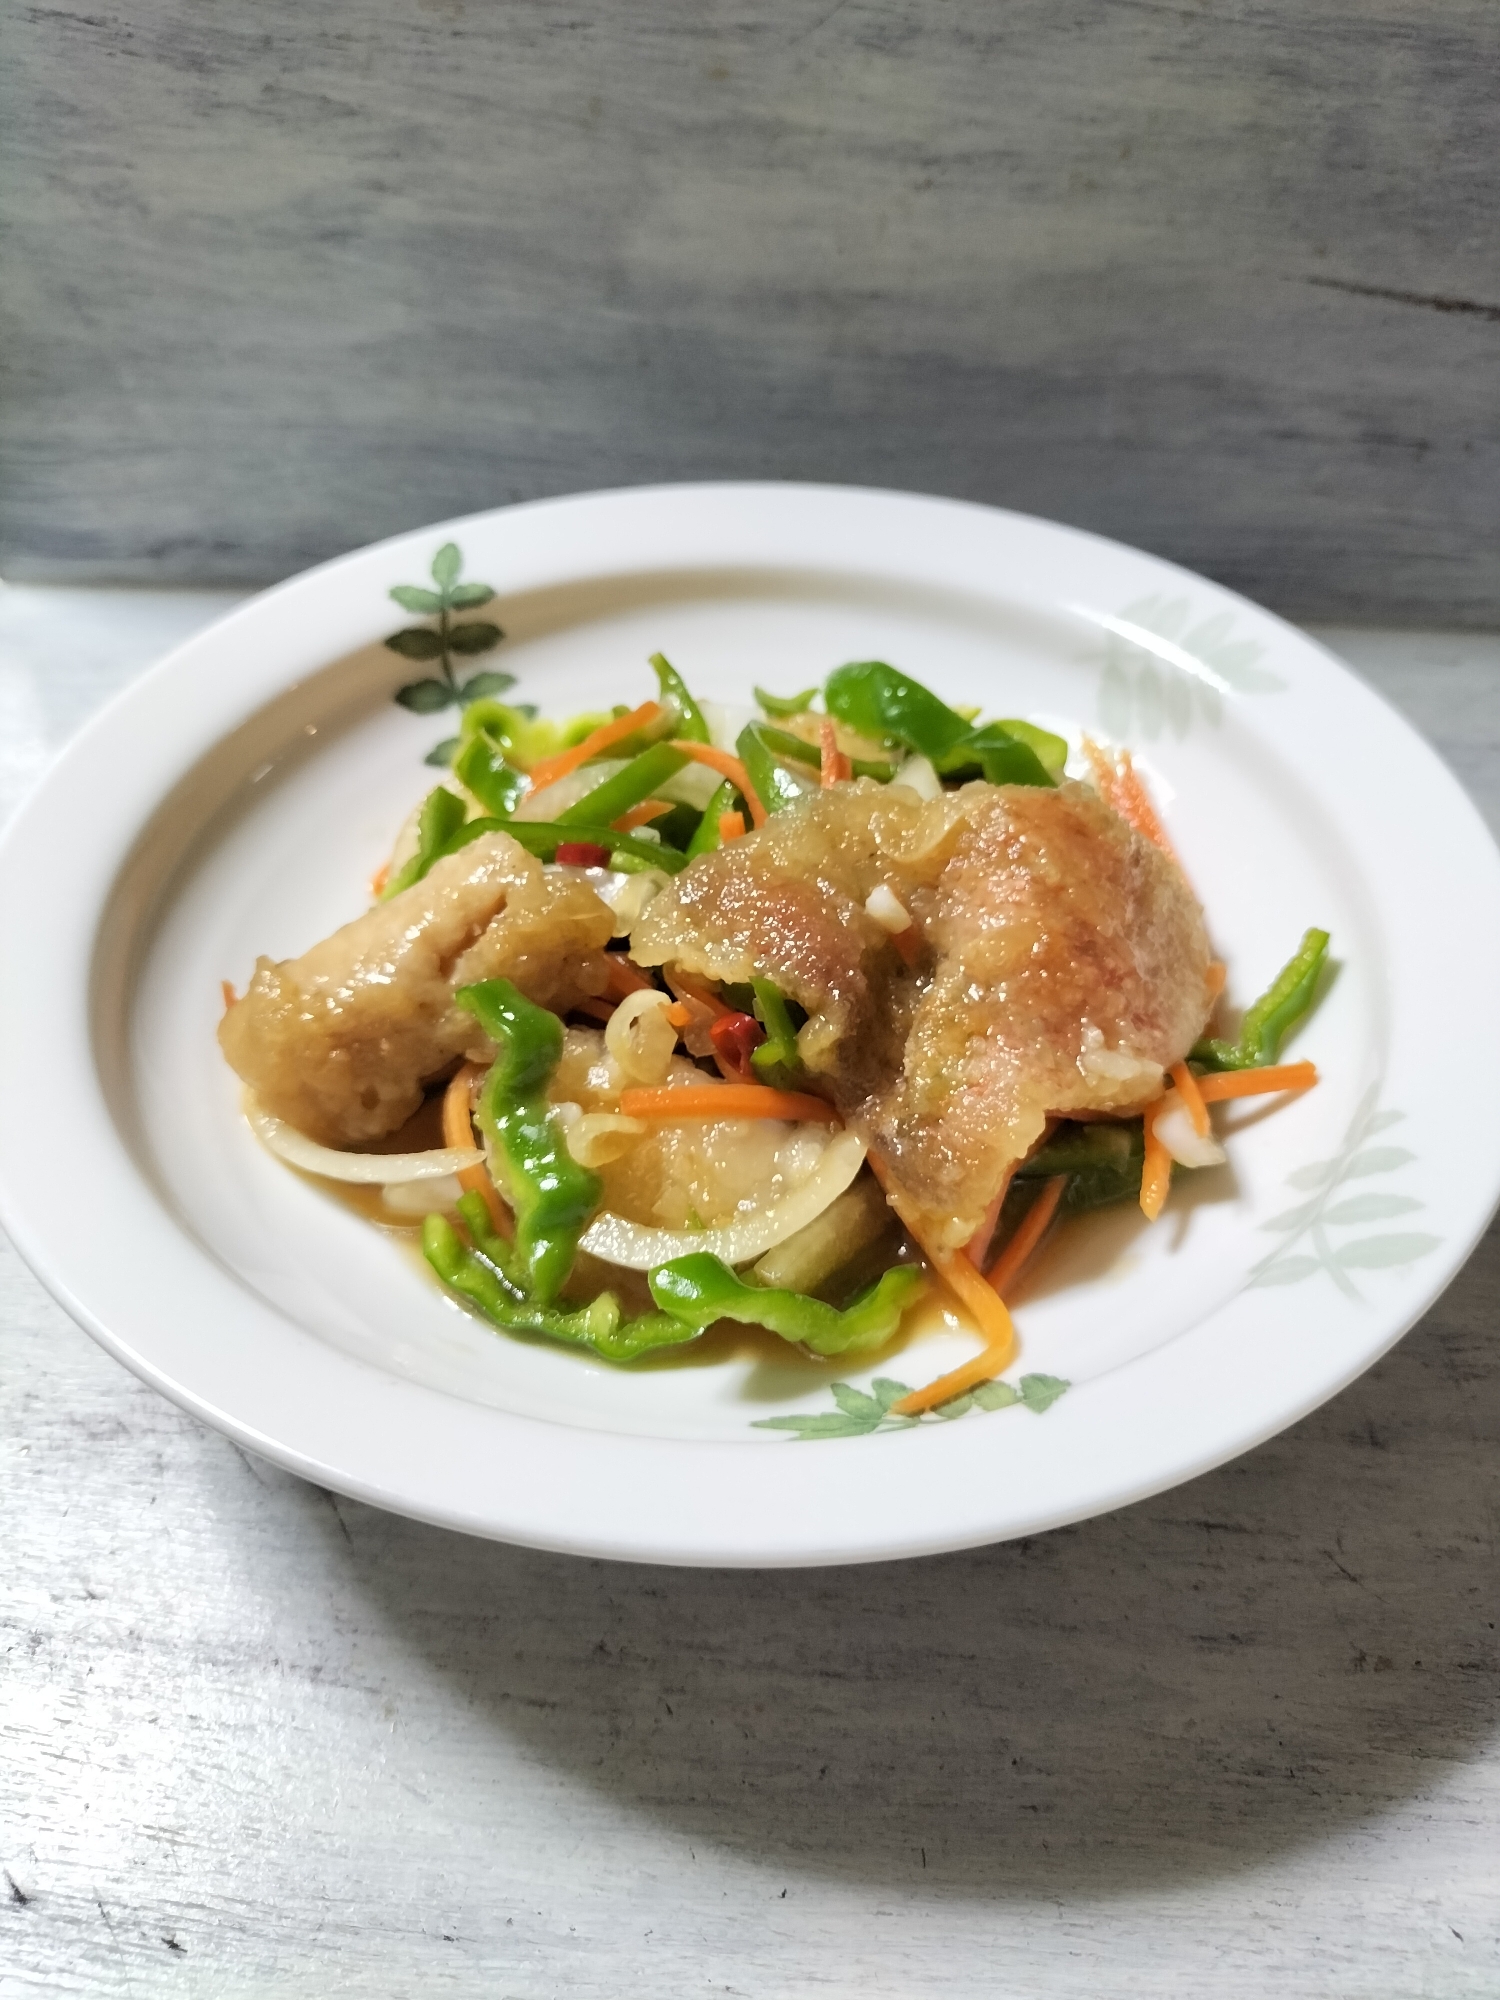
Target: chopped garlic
[{"x": 887, "y": 910}]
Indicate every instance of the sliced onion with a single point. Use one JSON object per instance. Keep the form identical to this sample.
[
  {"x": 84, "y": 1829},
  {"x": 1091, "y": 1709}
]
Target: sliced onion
[
  {"x": 1173, "y": 1125},
  {"x": 639, "y": 1247},
  {"x": 373, "y": 1169}
]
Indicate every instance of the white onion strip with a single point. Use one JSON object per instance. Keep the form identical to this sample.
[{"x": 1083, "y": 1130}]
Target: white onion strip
[
  {"x": 639, "y": 1247},
  {"x": 372, "y": 1169}
]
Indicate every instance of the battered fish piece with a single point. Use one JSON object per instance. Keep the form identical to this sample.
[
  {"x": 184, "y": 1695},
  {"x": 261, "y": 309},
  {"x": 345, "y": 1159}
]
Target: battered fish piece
[
  {"x": 1059, "y": 965},
  {"x": 340, "y": 1041}
]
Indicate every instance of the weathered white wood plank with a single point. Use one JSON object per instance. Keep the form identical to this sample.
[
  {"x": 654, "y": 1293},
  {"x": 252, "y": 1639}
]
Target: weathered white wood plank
[
  {"x": 1218, "y": 277},
  {"x": 253, "y": 1741}
]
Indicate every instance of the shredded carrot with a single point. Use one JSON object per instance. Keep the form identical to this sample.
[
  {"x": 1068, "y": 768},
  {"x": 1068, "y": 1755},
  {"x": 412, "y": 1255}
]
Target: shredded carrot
[
  {"x": 727, "y": 766},
  {"x": 625, "y": 977},
  {"x": 458, "y": 1130},
  {"x": 908, "y": 944},
  {"x": 982, "y": 1304},
  {"x": 379, "y": 879},
  {"x": 1007, "y": 1267},
  {"x": 679, "y": 1016},
  {"x": 724, "y": 1100},
  {"x": 605, "y": 737},
  {"x": 1120, "y": 786},
  {"x": 641, "y": 815},
  {"x": 1257, "y": 1082},
  {"x": 979, "y": 1243},
  {"x": 230, "y": 996},
  {"x": 1215, "y": 977},
  {"x": 597, "y": 1010},
  {"x": 1192, "y": 1097},
  {"x": 1156, "y": 1170},
  {"x": 731, "y": 826},
  {"x": 834, "y": 766}
]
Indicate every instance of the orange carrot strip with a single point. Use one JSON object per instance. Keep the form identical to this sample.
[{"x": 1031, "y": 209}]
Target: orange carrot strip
[
  {"x": 979, "y": 1242},
  {"x": 908, "y": 944},
  {"x": 230, "y": 996},
  {"x": 1156, "y": 1170},
  {"x": 1217, "y": 973},
  {"x": 731, "y": 826},
  {"x": 679, "y": 1016},
  {"x": 728, "y": 767},
  {"x": 1192, "y": 1097},
  {"x": 597, "y": 1010},
  {"x": 1257, "y": 1082},
  {"x": 625, "y": 976},
  {"x": 1120, "y": 785},
  {"x": 724, "y": 1100},
  {"x": 458, "y": 1130},
  {"x": 1006, "y": 1268},
  {"x": 641, "y": 815},
  {"x": 379, "y": 879},
  {"x": 984, "y": 1306},
  {"x": 833, "y": 765},
  {"x": 605, "y": 737}
]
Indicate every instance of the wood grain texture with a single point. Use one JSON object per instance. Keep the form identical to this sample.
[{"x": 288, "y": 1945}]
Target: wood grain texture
[
  {"x": 257, "y": 1741},
  {"x": 1218, "y": 277}
]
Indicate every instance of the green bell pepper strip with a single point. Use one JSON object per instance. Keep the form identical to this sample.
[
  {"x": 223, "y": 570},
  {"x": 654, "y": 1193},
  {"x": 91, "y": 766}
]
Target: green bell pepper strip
[
  {"x": 785, "y": 704},
  {"x": 692, "y": 728},
  {"x": 1051, "y": 751},
  {"x": 517, "y": 734},
  {"x": 879, "y": 700},
  {"x": 638, "y": 780},
  {"x": 484, "y": 771},
  {"x": 550, "y": 1194},
  {"x": 708, "y": 838},
  {"x": 627, "y": 851},
  {"x": 779, "y": 1050},
  {"x": 775, "y": 786},
  {"x": 784, "y": 744},
  {"x": 599, "y": 1326},
  {"x": 441, "y": 816},
  {"x": 699, "y": 1289},
  {"x": 1273, "y": 1016}
]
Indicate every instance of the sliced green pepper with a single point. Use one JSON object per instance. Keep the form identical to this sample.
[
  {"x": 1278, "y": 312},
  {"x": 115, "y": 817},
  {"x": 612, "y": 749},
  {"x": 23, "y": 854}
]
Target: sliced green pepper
[
  {"x": 699, "y": 1289},
  {"x": 519, "y": 736},
  {"x": 784, "y": 744},
  {"x": 779, "y": 1050},
  {"x": 598, "y": 1326},
  {"x": 1273, "y": 1016},
  {"x": 725, "y": 800},
  {"x": 485, "y": 771},
  {"x": 441, "y": 817},
  {"x": 879, "y": 700},
  {"x": 786, "y": 704},
  {"x": 1051, "y": 751},
  {"x": 551, "y": 1195},
  {"x": 627, "y": 851},
  {"x": 775, "y": 786},
  {"x": 692, "y": 728},
  {"x": 616, "y": 795}
]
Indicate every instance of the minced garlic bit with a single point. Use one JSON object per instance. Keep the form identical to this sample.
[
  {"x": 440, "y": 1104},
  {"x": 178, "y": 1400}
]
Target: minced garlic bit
[{"x": 888, "y": 911}]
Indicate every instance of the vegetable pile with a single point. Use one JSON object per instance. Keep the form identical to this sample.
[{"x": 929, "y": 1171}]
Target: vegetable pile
[{"x": 513, "y": 1209}]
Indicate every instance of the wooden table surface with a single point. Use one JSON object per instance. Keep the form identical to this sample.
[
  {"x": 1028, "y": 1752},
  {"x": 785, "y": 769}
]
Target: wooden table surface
[{"x": 1242, "y": 1739}]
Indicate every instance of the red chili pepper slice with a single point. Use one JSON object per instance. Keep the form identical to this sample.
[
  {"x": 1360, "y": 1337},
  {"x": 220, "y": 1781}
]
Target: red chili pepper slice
[
  {"x": 735, "y": 1038},
  {"x": 582, "y": 854}
]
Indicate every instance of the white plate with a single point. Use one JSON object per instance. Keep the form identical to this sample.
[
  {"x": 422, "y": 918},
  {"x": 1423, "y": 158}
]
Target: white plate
[{"x": 236, "y": 799}]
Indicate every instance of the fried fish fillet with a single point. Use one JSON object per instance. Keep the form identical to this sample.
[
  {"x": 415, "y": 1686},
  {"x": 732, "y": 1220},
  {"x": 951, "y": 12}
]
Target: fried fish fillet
[
  {"x": 1058, "y": 964},
  {"x": 340, "y": 1041}
]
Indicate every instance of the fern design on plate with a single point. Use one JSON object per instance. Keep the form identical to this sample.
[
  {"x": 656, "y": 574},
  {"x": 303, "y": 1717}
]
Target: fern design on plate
[
  {"x": 1338, "y": 1254},
  {"x": 860, "y": 1413},
  {"x": 1145, "y": 693},
  {"x": 446, "y": 641}
]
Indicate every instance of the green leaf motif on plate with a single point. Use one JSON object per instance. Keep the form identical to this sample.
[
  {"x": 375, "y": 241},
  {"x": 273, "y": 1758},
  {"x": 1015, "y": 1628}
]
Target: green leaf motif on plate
[
  {"x": 862, "y": 1412},
  {"x": 448, "y": 640},
  {"x": 1147, "y": 691},
  {"x": 1308, "y": 1246}
]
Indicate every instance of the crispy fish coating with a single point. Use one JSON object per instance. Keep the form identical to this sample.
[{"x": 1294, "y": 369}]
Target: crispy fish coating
[
  {"x": 340, "y": 1041},
  {"x": 1058, "y": 965}
]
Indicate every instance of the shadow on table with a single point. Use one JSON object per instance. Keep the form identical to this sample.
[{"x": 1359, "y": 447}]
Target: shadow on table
[{"x": 1179, "y": 1690}]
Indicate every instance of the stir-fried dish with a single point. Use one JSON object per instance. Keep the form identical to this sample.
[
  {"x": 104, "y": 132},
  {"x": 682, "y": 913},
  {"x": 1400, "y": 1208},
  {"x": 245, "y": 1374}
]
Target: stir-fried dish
[{"x": 785, "y": 1033}]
